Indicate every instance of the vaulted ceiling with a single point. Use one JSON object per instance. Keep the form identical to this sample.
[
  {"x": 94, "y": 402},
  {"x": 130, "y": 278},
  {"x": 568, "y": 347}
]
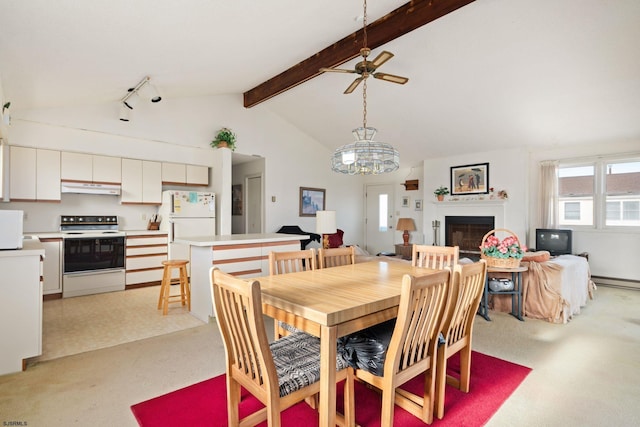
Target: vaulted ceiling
[{"x": 493, "y": 74}]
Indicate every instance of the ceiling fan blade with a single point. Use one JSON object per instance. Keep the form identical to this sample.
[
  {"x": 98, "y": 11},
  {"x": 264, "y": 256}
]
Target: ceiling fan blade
[
  {"x": 391, "y": 78},
  {"x": 337, "y": 70},
  {"x": 382, "y": 58},
  {"x": 354, "y": 84}
]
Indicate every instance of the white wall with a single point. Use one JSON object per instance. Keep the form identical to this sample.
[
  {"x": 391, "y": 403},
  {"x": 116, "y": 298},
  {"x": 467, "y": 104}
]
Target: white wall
[
  {"x": 507, "y": 171},
  {"x": 180, "y": 130}
]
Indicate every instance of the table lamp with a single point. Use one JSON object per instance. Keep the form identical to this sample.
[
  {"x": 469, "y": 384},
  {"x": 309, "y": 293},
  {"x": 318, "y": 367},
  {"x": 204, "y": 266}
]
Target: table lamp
[
  {"x": 407, "y": 225},
  {"x": 325, "y": 225}
]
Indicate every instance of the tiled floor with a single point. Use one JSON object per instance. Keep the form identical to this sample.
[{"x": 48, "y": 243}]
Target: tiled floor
[{"x": 76, "y": 325}]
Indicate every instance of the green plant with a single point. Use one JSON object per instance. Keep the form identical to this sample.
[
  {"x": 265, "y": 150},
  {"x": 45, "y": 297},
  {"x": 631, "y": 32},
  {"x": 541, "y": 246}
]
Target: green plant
[
  {"x": 441, "y": 191},
  {"x": 225, "y": 135}
]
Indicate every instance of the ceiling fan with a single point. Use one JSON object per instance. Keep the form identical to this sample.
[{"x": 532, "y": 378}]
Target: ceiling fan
[{"x": 368, "y": 68}]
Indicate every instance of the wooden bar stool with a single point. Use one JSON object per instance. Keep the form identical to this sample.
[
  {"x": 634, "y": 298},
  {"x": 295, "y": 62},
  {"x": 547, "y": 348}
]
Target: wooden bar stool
[{"x": 165, "y": 288}]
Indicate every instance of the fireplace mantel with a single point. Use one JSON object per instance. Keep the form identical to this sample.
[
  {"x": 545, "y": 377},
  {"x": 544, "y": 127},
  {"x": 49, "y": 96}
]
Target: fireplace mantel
[{"x": 470, "y": 202}]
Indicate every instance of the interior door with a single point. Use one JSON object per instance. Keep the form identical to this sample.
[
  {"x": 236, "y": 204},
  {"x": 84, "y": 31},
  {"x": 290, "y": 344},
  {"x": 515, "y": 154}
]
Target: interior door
[
  {"x": 254, "y": 204},
  {"x": 380, "y": 220}
]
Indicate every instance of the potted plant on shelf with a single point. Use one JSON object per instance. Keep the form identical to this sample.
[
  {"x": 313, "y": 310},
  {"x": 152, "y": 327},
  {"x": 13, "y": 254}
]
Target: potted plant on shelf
[
  {"x": 441, "y": 192},
  {"x": 225, "y": 138}
]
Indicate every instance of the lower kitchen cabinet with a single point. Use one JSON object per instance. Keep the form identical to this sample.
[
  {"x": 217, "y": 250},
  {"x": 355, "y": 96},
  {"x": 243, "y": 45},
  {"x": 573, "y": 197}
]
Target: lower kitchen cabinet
[
  {"x": 20, "y": 306},
  {"x": 52, "y": 265},
  {"x": 144, "y": 256}
]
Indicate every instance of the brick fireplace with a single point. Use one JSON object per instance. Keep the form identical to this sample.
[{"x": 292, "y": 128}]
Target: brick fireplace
[{"x": 467, "y": 232}]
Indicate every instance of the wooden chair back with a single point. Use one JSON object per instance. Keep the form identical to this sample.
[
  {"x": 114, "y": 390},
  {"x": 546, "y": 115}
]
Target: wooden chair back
[
  {"x": 334, "y": 257},
  {"x": 249, "y": 360},
  {"x": 413, "y": 346},
  {"x": 466, "y": 292},
  {"x": 291, "y": 261},
  {"x": 437, "y": 257}
]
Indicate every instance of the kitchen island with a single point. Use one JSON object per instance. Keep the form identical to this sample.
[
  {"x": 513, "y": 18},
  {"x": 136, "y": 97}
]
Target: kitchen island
[
  {"x": 243, "y": 255},
  {"x": 20, "y": 305}
]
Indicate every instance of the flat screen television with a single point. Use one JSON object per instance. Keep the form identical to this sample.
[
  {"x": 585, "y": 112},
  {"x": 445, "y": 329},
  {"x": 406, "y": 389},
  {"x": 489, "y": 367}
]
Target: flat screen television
[{"x": 556, "y": 241}]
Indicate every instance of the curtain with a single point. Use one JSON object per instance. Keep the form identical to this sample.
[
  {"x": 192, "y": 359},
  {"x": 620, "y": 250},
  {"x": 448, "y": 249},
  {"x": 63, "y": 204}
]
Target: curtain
[{"x": 548, "y": 197}]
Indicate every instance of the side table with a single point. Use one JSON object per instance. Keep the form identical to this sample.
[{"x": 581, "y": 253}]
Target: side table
[
  {"x": 404, "y": 251},
  {"x": 516, "y": 293}
]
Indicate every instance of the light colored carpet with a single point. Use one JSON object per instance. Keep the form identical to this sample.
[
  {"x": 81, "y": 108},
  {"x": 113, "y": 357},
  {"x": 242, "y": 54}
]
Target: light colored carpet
[{"x": 585, "y": 373}]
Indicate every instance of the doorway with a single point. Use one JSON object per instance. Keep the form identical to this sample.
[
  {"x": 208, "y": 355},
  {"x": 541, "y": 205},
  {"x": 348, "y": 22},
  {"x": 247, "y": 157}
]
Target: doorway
[
  {"x": 254, "y": 204},
  {"x": 379, "y": 231}
]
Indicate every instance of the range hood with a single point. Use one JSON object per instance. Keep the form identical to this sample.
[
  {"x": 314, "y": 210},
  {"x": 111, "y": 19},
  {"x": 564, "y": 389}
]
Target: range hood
[{"x": 90, "y": 188}]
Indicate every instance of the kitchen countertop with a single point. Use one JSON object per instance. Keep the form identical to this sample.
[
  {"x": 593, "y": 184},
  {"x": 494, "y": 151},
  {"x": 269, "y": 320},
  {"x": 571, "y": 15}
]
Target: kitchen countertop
[
  {"x": 60, "y": 234},
  {"x": 29, "y": 247},
  {"x": 239, "y": 239}
]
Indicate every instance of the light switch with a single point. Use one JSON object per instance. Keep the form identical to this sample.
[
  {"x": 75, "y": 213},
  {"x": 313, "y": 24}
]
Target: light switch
[{"x": 273, "y": 199}]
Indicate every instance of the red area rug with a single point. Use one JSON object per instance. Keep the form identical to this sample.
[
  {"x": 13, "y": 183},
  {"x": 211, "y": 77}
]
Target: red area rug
[{"x": 204, "y": 404}]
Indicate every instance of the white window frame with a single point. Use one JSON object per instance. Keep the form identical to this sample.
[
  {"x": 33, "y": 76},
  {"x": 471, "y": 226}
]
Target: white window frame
[{"x": 599, "y": 194}]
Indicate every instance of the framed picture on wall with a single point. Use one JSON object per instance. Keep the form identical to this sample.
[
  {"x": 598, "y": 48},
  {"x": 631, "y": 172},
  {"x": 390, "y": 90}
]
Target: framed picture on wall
[
  {"x": 470, "y": 179},
  {"x": 405, "y": 201},
  {"x": 418, "y": 204},
  {"x": 311, "y": 200}
]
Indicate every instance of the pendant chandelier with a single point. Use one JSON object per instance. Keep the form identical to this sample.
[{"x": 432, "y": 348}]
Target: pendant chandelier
[{"x": 365, "y": 156}]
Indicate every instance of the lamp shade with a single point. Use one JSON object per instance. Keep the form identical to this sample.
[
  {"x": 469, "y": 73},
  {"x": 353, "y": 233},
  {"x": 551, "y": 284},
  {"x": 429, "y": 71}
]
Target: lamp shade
[
  {"x": 326, "y": 222},
  {"x": 406, "y": 224}
]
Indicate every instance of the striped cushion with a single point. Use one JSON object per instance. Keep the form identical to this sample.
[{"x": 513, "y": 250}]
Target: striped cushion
[
  {"x": 297, "y": 360},
  {"x": 287, "y": 327}
]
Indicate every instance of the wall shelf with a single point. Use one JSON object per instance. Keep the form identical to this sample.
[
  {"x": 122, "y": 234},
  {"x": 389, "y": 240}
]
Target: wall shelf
[{"x": 470, "y": 202}]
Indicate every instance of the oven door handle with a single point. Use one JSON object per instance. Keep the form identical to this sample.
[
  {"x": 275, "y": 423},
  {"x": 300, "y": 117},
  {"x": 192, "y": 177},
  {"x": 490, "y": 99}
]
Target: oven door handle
[{"x": 94, "y": 272}]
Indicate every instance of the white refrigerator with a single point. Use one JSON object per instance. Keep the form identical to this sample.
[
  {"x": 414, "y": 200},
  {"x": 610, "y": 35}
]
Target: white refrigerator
[{"x": 186, "y": 214}]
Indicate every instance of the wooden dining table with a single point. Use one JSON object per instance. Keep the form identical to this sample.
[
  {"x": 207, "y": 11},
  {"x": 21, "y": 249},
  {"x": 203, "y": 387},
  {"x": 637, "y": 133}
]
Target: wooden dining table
[{"x": 333, "y": 302}]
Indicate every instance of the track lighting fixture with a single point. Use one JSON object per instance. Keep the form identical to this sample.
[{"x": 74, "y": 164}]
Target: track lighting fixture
[{"x": 143, "y": 89}]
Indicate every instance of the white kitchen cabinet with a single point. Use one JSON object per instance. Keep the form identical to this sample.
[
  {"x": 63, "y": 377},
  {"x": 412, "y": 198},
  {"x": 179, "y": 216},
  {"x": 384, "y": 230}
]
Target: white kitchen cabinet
[
  {"x": 90, "y": 168},
  {"x": 52, "y": 265},
  {"x": 76, "y": 167},
  {"x": 47, "y": 175},
  {"x": 141, "y": 182},
  {"x": 20, "y": 306},
  {"x": 174, "y": 173},
  {"x": 22, "y": 173},
  {"x": 34, "y": 174},
  {"x": 181, "y": 174},
  {"x": 144, "y": 256},
  {"x": 197, "y": 175},
  {"x": 106, "y": 169}
]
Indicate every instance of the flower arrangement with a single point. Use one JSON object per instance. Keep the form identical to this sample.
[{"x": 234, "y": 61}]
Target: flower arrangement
[
  {"x": 503, "y": 194},
  {"x": 441, "y": 191},
  {"x": 225, "y": 137},
  {"x": 507, "y": 248}
]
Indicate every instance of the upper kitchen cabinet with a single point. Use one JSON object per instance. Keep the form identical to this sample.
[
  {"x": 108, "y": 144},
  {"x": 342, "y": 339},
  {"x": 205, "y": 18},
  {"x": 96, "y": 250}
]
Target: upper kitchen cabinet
[
  {"x": 34, "y": 174},
  {"x": 197, "y": 175},
  {"x": 141, "y": 182},
  {"x": 181, "y": 174},
  {"x": 91, "y": 168}
]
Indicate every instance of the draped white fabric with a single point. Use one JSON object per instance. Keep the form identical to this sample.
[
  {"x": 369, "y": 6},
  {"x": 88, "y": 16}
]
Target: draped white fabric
[{"x": 548, "y": 197}]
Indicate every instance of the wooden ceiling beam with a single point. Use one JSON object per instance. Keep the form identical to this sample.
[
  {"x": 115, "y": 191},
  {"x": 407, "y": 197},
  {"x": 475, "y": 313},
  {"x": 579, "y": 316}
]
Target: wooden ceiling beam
[{"x": 404, "y": 19}]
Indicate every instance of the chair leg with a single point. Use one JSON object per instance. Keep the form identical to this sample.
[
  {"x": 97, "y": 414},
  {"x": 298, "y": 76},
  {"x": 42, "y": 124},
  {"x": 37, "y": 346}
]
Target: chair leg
[
  {"x": 233, "y": 400},
  {"x": 162, "y": 286},
  {"x": 465, "y": 368},
  {"x": 441, "y": 381},
  {"x": 388, "y": 406}
]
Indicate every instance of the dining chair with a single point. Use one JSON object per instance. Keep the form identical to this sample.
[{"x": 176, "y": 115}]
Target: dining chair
[
  {"x": 289, "y": 262},
  {"x": 466, "y": 292},
  {"x": 279, "y": 374},
  {"x": 334, "y": 257},
  {"x": 412, "y": 349},
  {"x": 437, "y": 257}
]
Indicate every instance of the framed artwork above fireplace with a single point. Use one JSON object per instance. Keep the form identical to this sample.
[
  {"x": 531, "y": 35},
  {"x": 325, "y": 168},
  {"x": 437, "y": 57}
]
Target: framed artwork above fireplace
[{"x": 470, "y": 179}]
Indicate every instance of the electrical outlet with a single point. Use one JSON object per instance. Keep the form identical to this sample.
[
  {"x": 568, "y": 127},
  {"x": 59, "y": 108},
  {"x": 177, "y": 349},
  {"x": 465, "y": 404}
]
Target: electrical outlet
[{"x": 144, "y": 217}]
